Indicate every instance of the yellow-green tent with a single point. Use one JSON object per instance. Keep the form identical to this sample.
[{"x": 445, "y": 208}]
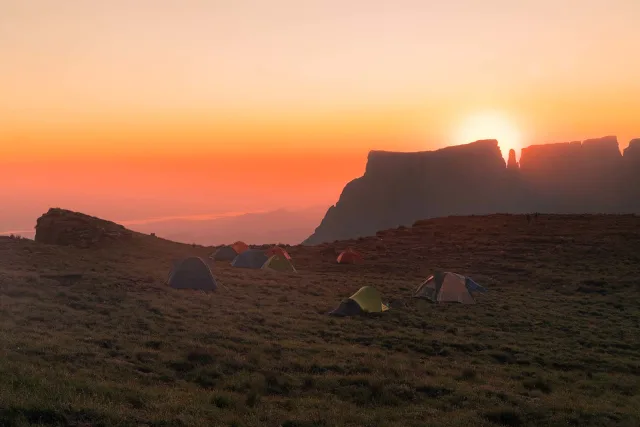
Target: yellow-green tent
[
  {"x": 279, "y": 263},
  {"x": 366, "y": 300}
]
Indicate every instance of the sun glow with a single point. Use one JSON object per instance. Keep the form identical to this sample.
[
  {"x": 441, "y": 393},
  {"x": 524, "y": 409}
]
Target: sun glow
[{"x": 490, "y": 125}]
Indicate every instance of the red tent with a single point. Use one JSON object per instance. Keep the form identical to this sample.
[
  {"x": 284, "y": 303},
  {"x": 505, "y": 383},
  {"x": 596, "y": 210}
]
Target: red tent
[
  {"x": 350, "y": 256},
  {"x": 240, "y": 246}
]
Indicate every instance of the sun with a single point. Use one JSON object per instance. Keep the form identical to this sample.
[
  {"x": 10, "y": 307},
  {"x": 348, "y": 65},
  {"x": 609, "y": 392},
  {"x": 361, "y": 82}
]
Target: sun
[{"x": 490, "y": 125}]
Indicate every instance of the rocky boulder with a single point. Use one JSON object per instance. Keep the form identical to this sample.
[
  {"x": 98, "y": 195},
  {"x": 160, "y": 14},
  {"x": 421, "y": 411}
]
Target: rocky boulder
[{"x": 67, "y": 228}]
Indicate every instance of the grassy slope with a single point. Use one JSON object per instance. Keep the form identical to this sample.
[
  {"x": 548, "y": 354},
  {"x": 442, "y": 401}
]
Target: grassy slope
[{"x": 555, "y": 342}]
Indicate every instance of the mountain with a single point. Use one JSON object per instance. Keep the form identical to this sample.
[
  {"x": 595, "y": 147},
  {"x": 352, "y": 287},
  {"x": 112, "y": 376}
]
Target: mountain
[{"x": 399, "y": 188}]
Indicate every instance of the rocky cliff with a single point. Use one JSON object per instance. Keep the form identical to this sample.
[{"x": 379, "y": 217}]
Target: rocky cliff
[
  {"x": 63, "y": 227},
  {"x": 633, "y": 150},
  {"x": 400, "y": 188},
  {"x": 575, "y": 177}
]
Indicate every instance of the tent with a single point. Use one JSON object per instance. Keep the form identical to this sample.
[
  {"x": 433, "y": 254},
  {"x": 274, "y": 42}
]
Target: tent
[
  {"x": 349, "y": 256},
  {"x": 279, "y": 263},
  {"x": 240, "y": 246},
  {"x": 277, "y": 250},
  {"x": 191, "y": 273},
  {"x": 366, "y": 300},
  {"x": 449, "y": 287},
  {"x": 224, "y": 253},
  {"x": 252, "y": 258}
]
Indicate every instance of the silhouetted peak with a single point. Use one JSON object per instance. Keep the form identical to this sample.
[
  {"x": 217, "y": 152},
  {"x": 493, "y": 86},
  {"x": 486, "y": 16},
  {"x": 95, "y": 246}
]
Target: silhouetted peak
[
  {"x": 632, "y": 156},
  {"x": 484, "y": 152},
  {"x": 512, "y": 163},
  {"x": 601, "y": 150},
  {"x": 398, "y": 188},
  {"x": 483, "y": 144},
  {"x": 633, "y": 150},
  {"x": 486, "y": 142},
  {"x": 606, "y": 141},
  {"x": 596, "y": 151}
]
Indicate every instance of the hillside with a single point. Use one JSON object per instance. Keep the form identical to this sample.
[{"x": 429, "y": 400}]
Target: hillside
[
  {"x": 591, "y": 176},
  {"x": 93, "y": 336}
]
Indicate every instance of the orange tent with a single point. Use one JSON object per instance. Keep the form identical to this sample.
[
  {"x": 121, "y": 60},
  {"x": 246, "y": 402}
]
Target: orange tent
[
  {"x": 350, "y": 256},
  {"x": 240, "y": 246},
  {"x": 277, "y": 250}
]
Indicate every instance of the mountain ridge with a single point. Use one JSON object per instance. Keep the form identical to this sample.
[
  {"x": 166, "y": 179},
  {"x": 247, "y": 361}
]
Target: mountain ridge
[{"x": 590, "y": 176}]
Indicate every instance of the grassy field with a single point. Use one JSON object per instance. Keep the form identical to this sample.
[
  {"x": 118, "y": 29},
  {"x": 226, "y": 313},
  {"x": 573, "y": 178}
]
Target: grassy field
[{"x": 555, "y": 341}]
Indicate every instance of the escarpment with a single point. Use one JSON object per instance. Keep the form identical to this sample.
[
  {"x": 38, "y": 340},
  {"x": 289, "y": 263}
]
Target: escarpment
[{"x": 396, "y": 189}]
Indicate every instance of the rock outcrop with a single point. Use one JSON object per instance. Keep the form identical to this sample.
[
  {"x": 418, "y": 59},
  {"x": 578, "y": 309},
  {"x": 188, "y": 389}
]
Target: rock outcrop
[
  {"x": 512, "y": 163},
  {"x": 400, "y": 188},
  {"x": 67, "y": 228}
]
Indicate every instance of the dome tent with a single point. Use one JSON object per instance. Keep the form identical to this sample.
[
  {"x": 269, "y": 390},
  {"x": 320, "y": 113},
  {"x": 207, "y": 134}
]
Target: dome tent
[
  {"x": 192, "y": 273},
  {"x": 252, "y": 258},
  {"x": 279, "y": 263},
  {"x": 224, "y": 253},
  {"x": 277, "y": 250},
  {"x": 448, "y": 287},
  {"x": 349, "y": 256},
  {"x": 240, "y": 246},
  {"x": 366, "y": 300}
]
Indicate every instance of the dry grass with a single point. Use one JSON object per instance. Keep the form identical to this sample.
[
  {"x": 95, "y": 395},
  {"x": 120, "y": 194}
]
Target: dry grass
[{"x": 554, "y": 342}]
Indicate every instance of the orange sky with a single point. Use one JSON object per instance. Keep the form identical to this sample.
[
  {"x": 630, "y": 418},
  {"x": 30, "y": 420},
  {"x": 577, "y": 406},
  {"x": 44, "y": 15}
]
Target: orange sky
[{"x": 232, "y": 105}]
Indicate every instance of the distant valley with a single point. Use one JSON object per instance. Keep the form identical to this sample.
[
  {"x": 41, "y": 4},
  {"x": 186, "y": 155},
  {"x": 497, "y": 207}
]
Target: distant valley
[{"x": 282, "y": 226}]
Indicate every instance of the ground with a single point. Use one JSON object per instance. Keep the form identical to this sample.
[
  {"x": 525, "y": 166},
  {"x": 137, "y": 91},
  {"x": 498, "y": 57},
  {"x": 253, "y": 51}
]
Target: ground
[{"x": 555, "y": 341}]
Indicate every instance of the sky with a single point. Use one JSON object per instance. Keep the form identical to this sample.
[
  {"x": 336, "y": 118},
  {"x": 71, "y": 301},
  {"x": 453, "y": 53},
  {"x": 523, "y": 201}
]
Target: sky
[{"x": 150, "y": 108}]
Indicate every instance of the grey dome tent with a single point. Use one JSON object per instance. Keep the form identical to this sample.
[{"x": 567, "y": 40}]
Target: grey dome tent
[
  {"x": 449, "y": 287},
  {"x": 252, "y": 258},
  {"x": 224, "y": 253},
  {"x": 192, "y": 273}
]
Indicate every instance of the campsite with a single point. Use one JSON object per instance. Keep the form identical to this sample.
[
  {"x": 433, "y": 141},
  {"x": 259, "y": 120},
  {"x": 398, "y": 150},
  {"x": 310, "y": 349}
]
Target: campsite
[
  {"x": 319, "y": 213},
  {"x": 97, "y": 337}
]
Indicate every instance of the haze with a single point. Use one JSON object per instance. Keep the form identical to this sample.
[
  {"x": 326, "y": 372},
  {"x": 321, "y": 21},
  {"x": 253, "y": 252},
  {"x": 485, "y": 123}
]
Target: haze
[{"x": 152, "y": 109}]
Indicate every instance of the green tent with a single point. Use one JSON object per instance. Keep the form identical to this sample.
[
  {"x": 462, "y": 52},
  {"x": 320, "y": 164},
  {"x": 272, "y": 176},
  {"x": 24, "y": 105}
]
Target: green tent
[
  {"x": 279, "y": 263},
  {"x": 366, "y": 300}
]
